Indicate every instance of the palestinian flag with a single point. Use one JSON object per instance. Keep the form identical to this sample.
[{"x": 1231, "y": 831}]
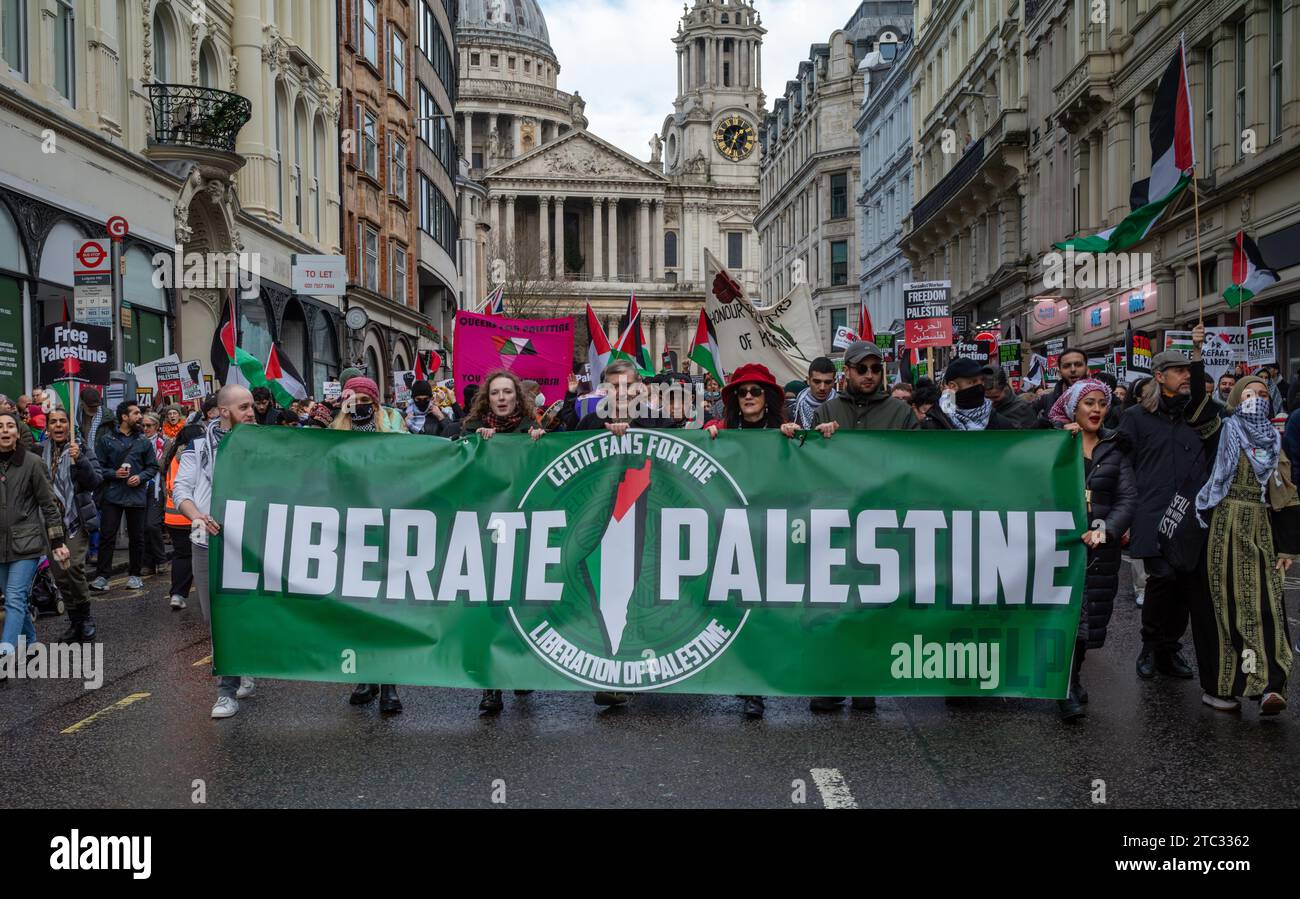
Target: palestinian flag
[
  {"x": 230, "y": 363},
  {"x": 613, "y": 566},
  {"x": 495, "y": 304},
  {"x": 641, "y": 355},
  {"x": 285, "y": 382},
  {"x": 598, "y": 350},
  {"x": 632, "y": 343},
  {"x": 1249, "y": 273},
  {"x": 704, "y": 352},
  {"x": 1173, "y": 161}
]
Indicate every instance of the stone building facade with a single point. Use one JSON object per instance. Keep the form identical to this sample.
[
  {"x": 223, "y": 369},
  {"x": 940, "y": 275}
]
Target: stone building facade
[
  {"x": 381, "y": 195},
  {"x": 969, "y": 155},
  {"x": 884, "y": 128},
  {"x": 562, "y": 217},
  {"x": 216, "y": 131},
  {"x": 1092, "y": 87},
  {"x": 810, "y": 168}
]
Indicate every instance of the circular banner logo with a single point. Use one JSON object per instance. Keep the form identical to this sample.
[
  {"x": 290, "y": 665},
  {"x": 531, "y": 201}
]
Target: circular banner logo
[{"x": 641, "y": 510}]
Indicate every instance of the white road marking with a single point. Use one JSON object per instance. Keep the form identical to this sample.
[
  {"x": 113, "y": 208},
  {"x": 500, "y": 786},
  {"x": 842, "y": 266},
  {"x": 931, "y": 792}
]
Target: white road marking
[{"x": 835, "y": 792}]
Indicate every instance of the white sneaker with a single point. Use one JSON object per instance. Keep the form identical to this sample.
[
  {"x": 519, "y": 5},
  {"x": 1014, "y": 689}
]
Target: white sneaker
[
  {"x": 247, "y": 687},
  {"x": 1140, "y": 598},
  {"x": 225, "y": 708},
  {"x": 1219, "y": 704},
  {"x": 134, "y": 583},
  {"x": 178, "y": 602}
]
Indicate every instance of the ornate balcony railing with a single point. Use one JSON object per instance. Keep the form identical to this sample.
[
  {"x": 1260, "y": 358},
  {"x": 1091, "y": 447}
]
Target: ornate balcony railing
[
  {"x": 948, "y": 186},
  {"x": 190, "y": 116}
]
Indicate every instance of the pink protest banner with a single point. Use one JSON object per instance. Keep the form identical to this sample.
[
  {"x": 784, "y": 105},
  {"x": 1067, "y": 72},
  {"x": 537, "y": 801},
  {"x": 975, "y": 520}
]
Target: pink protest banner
[{"x": 536, "y": 349}]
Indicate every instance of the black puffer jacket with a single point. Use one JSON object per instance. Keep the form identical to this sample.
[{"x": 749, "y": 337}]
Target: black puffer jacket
[
  {"x": 1167, "y": 450},
  {"x": 1112, "y": 491}
]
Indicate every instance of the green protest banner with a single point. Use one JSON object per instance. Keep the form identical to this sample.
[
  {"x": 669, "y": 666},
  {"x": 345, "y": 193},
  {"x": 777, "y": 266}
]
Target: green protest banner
[{"x": 870, "y": 563}]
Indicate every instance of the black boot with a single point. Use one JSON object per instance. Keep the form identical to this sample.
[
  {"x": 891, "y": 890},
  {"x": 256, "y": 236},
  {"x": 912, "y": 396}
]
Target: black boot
[
  {"x": 75, "y": 632},
  {"x": 1146, "y": 663},
  {"x": 754, "y": 706},
  {"x": 1172, "y": 664},
  {"x": 364, "y": 694},
  {"x": 491, "y": 702},
  {"x": 1076, "y": 685},
  {"x": 389, "y": 704},
  {"x": 1071, "y": 707}
]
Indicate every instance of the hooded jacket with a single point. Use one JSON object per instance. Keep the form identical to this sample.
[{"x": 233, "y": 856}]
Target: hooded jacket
[{"x": 876, "y": 411}]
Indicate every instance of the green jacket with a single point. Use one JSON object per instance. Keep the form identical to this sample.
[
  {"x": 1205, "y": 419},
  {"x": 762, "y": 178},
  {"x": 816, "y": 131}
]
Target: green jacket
[
  {"x": 30, "y": 518},
  {"x": 872, "y": 412}
]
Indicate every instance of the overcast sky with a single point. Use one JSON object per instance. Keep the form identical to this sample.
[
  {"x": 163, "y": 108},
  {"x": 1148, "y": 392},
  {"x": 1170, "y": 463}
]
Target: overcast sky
[{"x": 619, "y": 55}]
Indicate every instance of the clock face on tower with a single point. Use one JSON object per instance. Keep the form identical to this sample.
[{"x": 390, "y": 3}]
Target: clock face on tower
[{"x": 734, "y": 138}]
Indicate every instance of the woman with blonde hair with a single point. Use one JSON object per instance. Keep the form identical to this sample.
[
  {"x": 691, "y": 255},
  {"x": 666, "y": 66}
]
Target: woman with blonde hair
[
  {"x": 361, "y": 412},
  {"x": 360, "y": 409}
]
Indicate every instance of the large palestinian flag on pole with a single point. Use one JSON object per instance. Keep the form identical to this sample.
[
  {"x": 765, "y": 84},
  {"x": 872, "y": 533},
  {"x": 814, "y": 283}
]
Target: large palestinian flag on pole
[
  {"x": 598, "y": 350},
  {"x": 704, "y": 352},
  {"x": 632, "y": 343},
  {"x": 230, "y": 363},
  {"x": 1249, "y": 273},
  {"x": 1173, "y": 161}
]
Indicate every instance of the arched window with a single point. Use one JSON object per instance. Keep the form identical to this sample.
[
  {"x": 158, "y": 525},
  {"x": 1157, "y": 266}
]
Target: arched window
[
  {"x": 163, "y": 47},
  {"x": 208, "y": 71},
  {"x": 324, "y": 352},
  {"x": 146, "y": 338},
  {"x": 299, "y": 155},
  {"x": 281, "y": 134},
  {"x": 318, "y": 166},
  {"x": 670, "y": 249},
  {"x": 254, "y": 328}
]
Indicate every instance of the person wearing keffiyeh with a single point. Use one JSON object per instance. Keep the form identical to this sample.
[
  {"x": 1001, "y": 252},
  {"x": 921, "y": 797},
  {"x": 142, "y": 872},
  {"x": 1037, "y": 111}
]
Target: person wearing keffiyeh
[
  {"x": 963, "y": 405},
  {"x": 820, "y": 390},
  {"x": 1252, "y": 509},
  {"x": 74, "y": 477}
]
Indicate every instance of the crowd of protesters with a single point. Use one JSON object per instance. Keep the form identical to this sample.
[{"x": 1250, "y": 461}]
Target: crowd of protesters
[{"x": 67, "y": 487}]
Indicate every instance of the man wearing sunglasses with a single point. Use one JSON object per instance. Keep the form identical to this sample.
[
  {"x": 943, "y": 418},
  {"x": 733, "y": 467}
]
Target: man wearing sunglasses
[{"x": 864, "y": 404}]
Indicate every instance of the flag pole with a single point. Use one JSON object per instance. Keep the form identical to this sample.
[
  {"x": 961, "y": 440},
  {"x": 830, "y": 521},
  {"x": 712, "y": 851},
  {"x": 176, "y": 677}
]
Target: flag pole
[{"x": 1200, "y": 292}]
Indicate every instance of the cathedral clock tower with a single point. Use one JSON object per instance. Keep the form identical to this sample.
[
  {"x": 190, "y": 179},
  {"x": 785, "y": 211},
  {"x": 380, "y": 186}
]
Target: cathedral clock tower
[{"x": 710, "y": 142}]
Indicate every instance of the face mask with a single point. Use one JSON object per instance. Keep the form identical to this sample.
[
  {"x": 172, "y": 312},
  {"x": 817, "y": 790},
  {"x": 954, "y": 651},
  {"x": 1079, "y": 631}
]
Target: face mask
[
  {"x": 422, "y": 404},
  {"x": 971, "y": 397},
  {"x": 363, "y": 414},
  {"x": 1256, "y": 405}
]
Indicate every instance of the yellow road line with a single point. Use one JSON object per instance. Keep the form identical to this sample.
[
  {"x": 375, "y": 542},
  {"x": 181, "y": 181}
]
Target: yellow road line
[
  {"x": 120, "y": 704},
  {"x": 203, "y": 661}
]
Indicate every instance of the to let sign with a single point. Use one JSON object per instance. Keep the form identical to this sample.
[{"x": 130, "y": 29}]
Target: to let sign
[{"x": 320, "y": 276}]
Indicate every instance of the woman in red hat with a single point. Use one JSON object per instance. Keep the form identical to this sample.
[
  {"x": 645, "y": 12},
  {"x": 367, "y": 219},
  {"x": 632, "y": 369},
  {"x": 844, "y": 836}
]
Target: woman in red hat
[{"x": 752, "y": 400}]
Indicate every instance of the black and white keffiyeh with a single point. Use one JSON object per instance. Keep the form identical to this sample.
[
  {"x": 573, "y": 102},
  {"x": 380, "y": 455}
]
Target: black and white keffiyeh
[
  {"x": 1248, "y": 430},
  {"x": 976, "y": 419}
]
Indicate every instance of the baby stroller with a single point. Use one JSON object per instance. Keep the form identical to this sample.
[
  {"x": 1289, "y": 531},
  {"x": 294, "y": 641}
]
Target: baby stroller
[{"x": 44, "y": 598}]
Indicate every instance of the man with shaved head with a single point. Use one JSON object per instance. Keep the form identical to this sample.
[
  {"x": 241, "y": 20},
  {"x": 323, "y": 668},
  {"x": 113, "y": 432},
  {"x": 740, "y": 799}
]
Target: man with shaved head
[{"x": 192, "y": 495}]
